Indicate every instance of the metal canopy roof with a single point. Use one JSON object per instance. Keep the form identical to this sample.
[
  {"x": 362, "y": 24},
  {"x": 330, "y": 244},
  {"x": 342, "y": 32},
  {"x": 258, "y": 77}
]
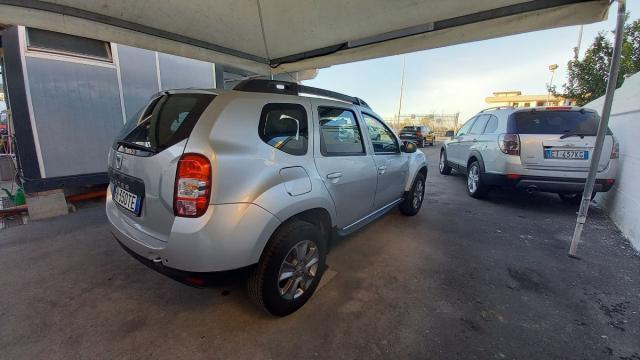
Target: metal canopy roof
[{"x": 275, "y": 36}]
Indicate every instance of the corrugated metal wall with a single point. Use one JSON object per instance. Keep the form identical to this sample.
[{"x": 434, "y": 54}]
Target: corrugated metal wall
[
  {"x": 139, "y": 77},
  {"x": 77, "y": 112}
]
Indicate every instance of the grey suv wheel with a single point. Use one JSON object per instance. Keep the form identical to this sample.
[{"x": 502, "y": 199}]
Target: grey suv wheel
[
  {"x": 442, "y": 165},
  {"x": 475, "y": 186},
  {"x": 290, "y": 268}
]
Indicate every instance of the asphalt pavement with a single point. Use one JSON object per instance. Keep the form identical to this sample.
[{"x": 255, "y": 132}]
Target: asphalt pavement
[{"x": 464, "y": 279}]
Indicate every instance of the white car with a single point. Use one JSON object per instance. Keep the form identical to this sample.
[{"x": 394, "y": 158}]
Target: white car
[{"x": 536, "y": 149}]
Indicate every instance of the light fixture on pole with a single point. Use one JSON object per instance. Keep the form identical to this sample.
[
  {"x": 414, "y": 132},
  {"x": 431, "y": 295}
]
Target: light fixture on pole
[{"x": 552, "y": 68}]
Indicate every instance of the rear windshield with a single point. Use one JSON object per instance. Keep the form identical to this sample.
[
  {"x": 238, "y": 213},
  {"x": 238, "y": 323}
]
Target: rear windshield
[
  {"x": 556, "y": 122},
  {"x": 165, "y": 122},
  {"x": 410, "y": 129}
]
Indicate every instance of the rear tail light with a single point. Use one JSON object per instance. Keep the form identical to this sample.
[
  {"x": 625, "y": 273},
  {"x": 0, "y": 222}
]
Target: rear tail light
[
  {"x": 615, "y": 150},
  {"x": 509, "y": 144},
  {"x": 193, "y": 186}
]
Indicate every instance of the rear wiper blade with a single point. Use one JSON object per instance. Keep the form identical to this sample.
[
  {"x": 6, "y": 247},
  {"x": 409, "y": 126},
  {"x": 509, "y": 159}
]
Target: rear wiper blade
[
  {"x": 135, "y": 146},
  {"x": 572, "y": 134}
]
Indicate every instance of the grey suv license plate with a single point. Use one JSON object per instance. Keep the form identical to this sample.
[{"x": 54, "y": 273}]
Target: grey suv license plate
[
  {"x": 126, "y": 191},
  {"x": 566, "y": 154}
]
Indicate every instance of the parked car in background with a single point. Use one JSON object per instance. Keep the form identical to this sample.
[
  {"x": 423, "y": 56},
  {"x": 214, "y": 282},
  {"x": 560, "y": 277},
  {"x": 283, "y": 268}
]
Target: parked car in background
[
  {"x": 536, "y": 149},
  {"x": 259, "y": 178},
  {"x": 420, "y": 135}
]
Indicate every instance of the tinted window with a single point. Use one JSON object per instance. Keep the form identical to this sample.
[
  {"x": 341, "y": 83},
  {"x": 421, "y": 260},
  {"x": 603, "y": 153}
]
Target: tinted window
[
  {"x": 556, "y": 122},
  {"x": 284, "y": 126},
  {"x": 166, "y": 121},
  {"x": 479, "y": 125},
  {"x": 339, "y": 132},
  {"x": 68, "y": 44},
  {"x": 409, "y": 129},
  {"x": 382, "y": 138},
  {"x": 465, "y": 128},
  {"x": 492, "y": 125}
]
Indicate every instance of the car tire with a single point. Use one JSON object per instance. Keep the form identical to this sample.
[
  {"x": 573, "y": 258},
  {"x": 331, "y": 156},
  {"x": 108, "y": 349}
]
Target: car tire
[
  {"x": 475, "y": 184},
  {"x": 442, "y": 166},
  {"x": 413, "y": 198},
  {"x": 296, "y": 250}
]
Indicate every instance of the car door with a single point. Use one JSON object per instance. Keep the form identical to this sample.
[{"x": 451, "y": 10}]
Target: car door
[
  {"x": 392, "y": 165},
  {"x": 472, "y": 138},
  {"x": 347, "y": 170},
  {"x": 454, "y": 147}
]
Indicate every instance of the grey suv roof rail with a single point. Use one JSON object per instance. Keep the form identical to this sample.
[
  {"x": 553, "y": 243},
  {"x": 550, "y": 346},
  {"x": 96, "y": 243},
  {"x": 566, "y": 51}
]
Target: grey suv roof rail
[
  {"x": 498, "y": 108},
  {"x": 291, "y": 88}
]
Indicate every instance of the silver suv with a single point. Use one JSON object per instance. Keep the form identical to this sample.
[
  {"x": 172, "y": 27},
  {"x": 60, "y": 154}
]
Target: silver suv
[
  {"x": 257, "y": 178},
  {"x": 537, "y": 149}
]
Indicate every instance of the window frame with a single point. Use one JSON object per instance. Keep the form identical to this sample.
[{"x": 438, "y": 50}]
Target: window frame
[
  {"x": 470, "y": 122},
  {"x": 321, "y": 143},
  {"x": 52, "y": 51},
  {"x": 395, "y": 139},
  {"x": 263, "y": 118},
  {"x": 479, "y": 118},
  {"x": 491, "y": 117}
]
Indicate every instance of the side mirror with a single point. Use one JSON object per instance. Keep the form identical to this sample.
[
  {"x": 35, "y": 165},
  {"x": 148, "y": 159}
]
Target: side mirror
[
  {"x": 449, "y": 134},
  {"x": 409, "y": 147}
]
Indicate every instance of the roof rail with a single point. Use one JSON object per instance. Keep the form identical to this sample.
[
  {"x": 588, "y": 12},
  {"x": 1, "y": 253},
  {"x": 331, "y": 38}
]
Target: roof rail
[
  {"x": 291, "y": 88},
  {"x": 498, "y": 108}
]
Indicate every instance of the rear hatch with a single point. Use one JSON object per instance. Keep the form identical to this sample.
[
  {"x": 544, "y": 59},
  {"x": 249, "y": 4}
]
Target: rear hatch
[
  {"x": 409, "y": 133},
  {"x": 560, "y": 139},
  {"x": 143, "y": 161}
]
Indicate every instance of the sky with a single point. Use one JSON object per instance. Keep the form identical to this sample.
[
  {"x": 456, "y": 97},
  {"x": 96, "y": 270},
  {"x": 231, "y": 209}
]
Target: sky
[{"x": 458, "y": 78}]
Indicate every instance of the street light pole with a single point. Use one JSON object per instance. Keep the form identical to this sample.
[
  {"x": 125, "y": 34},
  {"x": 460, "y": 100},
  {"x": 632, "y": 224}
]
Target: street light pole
[
  {"x": 602, "y": 130},
  {"x": 401, "y": 91},
  {"x": 552, "y": 68}
]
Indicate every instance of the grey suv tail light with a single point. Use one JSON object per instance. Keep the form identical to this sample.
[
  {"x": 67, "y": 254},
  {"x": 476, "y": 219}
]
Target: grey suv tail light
[
  {"x": 615, "y": 150},
  {"x": 193, "y": 186},
  {"x": 509, "y": 144}
]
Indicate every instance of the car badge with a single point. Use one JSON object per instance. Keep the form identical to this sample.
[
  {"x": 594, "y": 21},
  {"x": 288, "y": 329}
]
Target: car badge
[{"x": 118, "y": 161}]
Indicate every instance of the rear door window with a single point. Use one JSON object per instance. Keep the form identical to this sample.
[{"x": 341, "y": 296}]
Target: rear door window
[
  {"x": 492, "y": 125},
  {"x": 340, "y": 134},
  {"x": 556, "y": 122},
  {"x": 168, "y": 120},
  {"x": 479, "y": 125},
  {"x": 284, "y": 126}
]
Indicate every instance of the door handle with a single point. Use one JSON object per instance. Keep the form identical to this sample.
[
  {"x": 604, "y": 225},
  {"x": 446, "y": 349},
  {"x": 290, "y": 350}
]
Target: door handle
[
  {"x": 334, "y": 175},
  {"x": 382, "y": 169}
]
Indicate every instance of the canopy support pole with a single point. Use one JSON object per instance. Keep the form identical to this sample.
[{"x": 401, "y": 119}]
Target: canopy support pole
[{"x": 602, "y": 130}]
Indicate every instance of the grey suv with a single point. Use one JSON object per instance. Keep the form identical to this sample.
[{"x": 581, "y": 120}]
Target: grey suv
[
  {"x": 257, "y": 178},
  {"x": 536, "y": 149}
]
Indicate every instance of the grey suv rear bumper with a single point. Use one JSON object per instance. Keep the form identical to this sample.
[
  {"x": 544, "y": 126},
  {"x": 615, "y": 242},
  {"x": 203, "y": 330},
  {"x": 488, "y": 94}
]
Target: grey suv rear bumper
[{"x": 544, "y": 183}]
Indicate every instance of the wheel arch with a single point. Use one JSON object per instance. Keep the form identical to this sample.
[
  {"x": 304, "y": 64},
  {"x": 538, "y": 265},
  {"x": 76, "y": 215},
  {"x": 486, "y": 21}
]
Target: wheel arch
[{"x": 475, "y": 155}]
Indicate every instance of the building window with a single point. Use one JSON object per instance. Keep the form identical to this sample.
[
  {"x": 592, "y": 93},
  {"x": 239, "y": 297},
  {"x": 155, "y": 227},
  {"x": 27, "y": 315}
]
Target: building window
[
  {"x": 65, "y": 44},
  {"x": 527, "y": 104}
]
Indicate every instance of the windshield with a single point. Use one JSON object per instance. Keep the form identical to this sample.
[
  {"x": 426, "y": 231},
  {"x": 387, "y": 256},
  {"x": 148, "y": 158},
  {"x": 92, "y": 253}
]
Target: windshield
[
  {"x": 167, "y": 120},
  {"x": 556, "y": 122}
]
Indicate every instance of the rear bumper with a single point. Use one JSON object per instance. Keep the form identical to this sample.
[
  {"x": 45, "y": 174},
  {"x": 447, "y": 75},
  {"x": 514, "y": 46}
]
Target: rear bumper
[
  {"x": 226, "y": 237},
  {"x": 544, "y": 183},
  {"x": 195, "y": 279}
]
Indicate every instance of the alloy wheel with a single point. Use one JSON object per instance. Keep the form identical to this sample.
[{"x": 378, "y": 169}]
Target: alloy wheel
[
  {"x": 472, "y": 178},
  {"x": 298, "y": 269},
  {"x": 418, "y": 195}
]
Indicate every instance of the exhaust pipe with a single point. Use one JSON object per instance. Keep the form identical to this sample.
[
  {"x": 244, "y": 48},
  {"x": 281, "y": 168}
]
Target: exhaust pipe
[{"x": 531, "y": 189}]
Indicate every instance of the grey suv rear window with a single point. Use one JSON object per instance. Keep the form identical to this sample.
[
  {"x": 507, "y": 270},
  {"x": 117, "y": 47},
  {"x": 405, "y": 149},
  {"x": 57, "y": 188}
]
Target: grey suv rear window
[
  {"x": 284, "y": 126},
  {"x": 165, "y": 122},
  {"x": 556, "y": 122}
]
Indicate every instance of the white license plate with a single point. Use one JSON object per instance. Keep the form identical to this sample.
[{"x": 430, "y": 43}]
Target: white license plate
[
  {"x": 566, "y": 154},
  {"x": 126, "y": 199}
]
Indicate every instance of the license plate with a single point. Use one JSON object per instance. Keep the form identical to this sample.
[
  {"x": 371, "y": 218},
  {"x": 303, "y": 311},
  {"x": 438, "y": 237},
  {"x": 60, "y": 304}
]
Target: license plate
[
  {"x": 566, "y": 154},
  {"x": 126, "y": 199}
]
